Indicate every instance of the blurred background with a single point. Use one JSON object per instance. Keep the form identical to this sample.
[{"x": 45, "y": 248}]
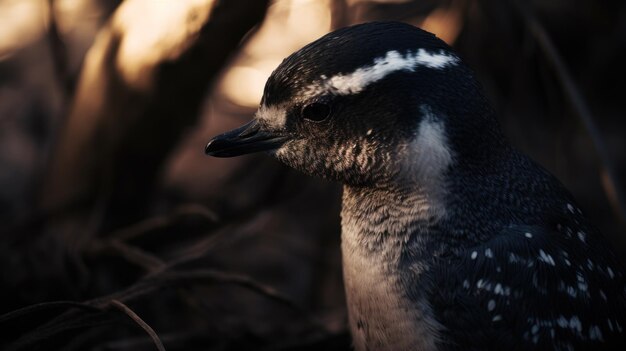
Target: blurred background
[{"x": 118, "y": 233}]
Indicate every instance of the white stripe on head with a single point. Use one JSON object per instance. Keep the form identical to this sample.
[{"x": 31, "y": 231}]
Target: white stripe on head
[{"x": 355, "y": 82}]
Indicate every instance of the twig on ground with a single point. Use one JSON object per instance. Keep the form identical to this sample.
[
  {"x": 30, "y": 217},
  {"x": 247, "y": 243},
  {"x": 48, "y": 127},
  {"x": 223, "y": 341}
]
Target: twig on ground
[
  {"x": 130, "y": 313},
  {"x": 159, "y": 222},
  {"x": 74, "y": 319},
  {"x": 214, "y": 276},
  {"x": 46, "y": 306},
  {"x": 140, "y": 257}
]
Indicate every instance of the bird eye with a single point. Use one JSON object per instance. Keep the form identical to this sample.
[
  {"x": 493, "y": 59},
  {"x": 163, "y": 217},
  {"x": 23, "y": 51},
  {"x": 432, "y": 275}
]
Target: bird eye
[{"x": 316, "y": 111}]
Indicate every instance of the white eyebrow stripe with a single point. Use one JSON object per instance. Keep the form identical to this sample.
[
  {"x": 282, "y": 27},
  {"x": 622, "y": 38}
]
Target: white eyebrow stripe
[{"x": 393, "y": 61}]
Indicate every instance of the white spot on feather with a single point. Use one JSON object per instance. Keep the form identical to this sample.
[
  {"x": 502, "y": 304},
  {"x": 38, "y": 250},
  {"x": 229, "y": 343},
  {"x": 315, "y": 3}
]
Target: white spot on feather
[
  {"x": 571, "y": 291},
  {"x": 547, "y": 258},
  {"x": 528, "y": 235},
  {"x": 488, "y": 253},
  {"x": 562, "y": 321},
  {"x": 474, "y": 255},
  {"x": 574, "y": 323},
  {"x": 595, "y": 333},
  {"x": 491, "y": 305},
  {"x": 535, "y": 329},
  {"x": 610, "y": 271},
  {"x": 393, "y": 61}
]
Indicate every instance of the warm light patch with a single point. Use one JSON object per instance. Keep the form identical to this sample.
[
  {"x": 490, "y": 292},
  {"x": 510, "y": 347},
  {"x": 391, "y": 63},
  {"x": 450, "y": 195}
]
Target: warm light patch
[
  {"x": 243, "y": 84},
  {"x": 21, "y": 23},
  {"x": 156, "y": 31},
  {"x": 289, "y": 25},
  {"x": 445, "y": 22},
  {"x": 75, "y": 16}
]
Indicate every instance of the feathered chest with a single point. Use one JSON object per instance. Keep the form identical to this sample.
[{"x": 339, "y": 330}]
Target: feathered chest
[{"x": 386, "y": 309}]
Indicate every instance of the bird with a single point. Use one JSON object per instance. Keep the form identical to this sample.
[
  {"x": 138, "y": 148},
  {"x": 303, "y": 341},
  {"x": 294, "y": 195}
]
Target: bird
[{"x": 451, "y": 238}]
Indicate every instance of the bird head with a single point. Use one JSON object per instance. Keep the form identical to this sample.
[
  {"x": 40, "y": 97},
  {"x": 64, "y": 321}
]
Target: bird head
[{"x": 367, "y": 104}]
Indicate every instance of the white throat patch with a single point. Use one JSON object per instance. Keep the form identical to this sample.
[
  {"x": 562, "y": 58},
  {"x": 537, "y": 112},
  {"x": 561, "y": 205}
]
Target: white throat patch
[
  {"x": 393, "y": 61},
  {"x": 432, "y": 153},
  {"x": 428, "y": 157}
]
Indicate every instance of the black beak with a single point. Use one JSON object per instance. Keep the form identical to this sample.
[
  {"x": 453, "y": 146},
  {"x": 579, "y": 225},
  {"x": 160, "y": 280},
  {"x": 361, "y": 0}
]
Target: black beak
[{"x": 243, "y": 140}]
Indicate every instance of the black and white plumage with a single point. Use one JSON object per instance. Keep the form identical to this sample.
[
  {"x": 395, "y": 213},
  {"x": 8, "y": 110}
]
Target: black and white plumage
[{"x": 451, "y": 239}]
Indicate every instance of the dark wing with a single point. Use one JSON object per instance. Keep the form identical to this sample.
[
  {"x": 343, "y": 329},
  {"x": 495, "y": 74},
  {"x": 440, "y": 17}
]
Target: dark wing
[{"x": 532, "y": 288}]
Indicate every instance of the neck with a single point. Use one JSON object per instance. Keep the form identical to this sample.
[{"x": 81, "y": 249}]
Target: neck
[
  {"x": 398, "y": 205},
  {"x": 392, "y": 211},
  {"x": 378, "y": 223}
]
